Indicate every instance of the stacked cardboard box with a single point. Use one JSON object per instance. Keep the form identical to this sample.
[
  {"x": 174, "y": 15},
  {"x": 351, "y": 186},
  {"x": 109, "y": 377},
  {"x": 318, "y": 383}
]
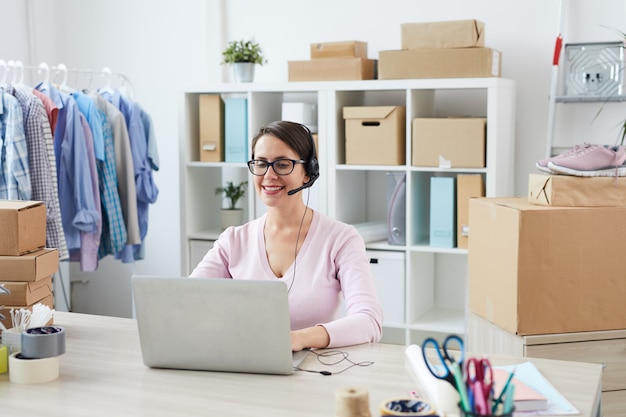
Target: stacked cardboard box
[
  {"x": 334, "y": 61},
  {"x": 450, "y": 49},
  {"x": 26, "y": 266}
]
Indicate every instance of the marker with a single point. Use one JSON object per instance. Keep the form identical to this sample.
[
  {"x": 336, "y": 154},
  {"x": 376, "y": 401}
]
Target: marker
[{"x": 504, "y": 389}]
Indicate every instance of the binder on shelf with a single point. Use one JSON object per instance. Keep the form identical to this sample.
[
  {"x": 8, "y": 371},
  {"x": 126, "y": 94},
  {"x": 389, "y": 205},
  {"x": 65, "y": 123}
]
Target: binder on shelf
[
  {"x": 236, "y": 129},
  {"x": 467, "y": 186},
  {"x": 211, "y": 128},
  {"x": 396, "y": 208},
  {"x": 442, "y": 212}
]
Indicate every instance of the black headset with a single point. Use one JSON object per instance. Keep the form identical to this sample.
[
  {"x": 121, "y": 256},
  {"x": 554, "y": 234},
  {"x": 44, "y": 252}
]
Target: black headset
[{"x": 312, "y": 167}]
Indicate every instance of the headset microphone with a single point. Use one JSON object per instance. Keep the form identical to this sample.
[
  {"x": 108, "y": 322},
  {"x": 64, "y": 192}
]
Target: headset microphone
[
  {"x": 312, "y": 166},
  {"x": 303, "y": 186}
]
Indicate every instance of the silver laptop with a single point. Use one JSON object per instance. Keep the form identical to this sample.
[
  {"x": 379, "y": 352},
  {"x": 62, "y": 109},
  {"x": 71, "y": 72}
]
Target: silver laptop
[{"x": 214, "y": 324}]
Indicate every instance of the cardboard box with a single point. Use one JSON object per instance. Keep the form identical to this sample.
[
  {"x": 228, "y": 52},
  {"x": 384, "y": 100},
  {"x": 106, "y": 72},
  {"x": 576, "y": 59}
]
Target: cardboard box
[
  {"x": 570, "y": 191},
  {"x": 211, "y": 128},
  {"x": 30, "y": 267},
  {"x": 332, "y": 69},
  {"x": 26, "y": 292},
  {"x": 449, "y": 142},
  {"x": 375, "y": 135},
  {"x": 448, "y": 34},
  {"x": 23, "y": 226},
  {"x": 439, "y": 63},
  {"x": 345, "y": 49},
  {"x": 467, "y": 186},
  {"x": 6, "y": 311},
  {"x": 544, "y": 269},
  {"x": 236, "y": 129},
  {"x": 442, "y": 212}
]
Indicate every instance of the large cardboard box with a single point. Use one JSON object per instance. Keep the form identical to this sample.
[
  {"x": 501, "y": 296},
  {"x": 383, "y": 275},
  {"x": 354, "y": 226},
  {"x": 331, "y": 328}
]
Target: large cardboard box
[
  {"x": 30, "y": 267},
  {"x": 6, "y": 310},
  {"x": 448, "y": 34},
  {"x": 342, "y": 49},
  {"x": 570, "y": 191},
  {"x": 211, "y": 128},
  {"x": 467, "y": 186},
  {"x": 543, "y": 269},
  {"x": 439, "y": 63},
  {"x": 449, "y": 142},
  {"x": 26, "y": 292},
  {"x": 332, "y": 69},
  {"x": 22, "y": 226},
  {"x": 375, "y": 135}
]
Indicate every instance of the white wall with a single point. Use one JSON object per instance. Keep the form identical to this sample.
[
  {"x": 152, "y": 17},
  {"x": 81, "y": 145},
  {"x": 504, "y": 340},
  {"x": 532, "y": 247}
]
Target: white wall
[{"x": 165, "y": 47}]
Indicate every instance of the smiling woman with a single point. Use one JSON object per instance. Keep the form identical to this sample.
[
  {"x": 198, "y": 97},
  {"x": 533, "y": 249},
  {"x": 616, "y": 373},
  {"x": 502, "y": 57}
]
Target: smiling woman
[{"x": 291, "y": 238}]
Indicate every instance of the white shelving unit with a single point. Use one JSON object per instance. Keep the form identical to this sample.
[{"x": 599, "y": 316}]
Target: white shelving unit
[{"x": 433, "y": 286}]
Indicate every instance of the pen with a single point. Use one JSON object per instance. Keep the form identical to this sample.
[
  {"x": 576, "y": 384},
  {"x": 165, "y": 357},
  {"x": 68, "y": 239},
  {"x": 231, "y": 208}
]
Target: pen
[
  {"x": 502, "y": 393},
  {"x": 508, "y": 400},
  {"x": 460, "y": 386}
]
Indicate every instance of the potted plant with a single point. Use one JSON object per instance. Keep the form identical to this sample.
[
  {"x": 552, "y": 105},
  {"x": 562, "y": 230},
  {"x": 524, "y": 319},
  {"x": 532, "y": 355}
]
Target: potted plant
[
  {"x": 232, "y": 216},
  {"x": 243, "y": 55}
]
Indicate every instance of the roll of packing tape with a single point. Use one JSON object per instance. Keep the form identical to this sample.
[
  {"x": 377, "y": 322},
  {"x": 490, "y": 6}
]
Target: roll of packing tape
[
  {"x": 352, "y": 402},
  {"x": 406, "y": 407},
  {"x": 32, "y": 371},
  {"x": 43, "y": 342}
]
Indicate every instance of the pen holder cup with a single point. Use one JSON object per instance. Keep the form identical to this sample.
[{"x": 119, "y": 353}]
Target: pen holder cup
[{"x": 470, "y": 414}]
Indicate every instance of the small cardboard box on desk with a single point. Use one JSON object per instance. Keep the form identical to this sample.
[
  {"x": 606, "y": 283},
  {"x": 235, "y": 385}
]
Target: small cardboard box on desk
[
  {"x": 542, "y": 269},
  {"x": 23, "y": 226},
  {"x": 26, "y": 267}
]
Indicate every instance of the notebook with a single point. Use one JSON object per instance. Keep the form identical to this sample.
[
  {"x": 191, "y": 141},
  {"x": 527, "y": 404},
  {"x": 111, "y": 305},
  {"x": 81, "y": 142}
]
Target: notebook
[
  {"x": 214, "y": 324},
  {"x": 525, "y": 398}
]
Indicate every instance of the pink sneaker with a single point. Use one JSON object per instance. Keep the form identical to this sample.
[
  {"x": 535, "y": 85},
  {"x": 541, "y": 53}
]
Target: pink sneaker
[
  {"x": 542, "y": 165},
  {"x": 592, "y": 161}
]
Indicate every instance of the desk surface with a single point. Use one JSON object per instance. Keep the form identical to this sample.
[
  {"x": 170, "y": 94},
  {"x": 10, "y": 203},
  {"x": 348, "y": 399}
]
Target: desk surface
[{"x": 102, "y": 373}]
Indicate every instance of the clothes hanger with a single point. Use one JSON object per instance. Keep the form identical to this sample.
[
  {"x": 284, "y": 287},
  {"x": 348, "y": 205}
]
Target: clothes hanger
[
  {"x": 43, "y": 67},
  {"x": 61, "y": 68},
  {"x": 106, "y": 72}
]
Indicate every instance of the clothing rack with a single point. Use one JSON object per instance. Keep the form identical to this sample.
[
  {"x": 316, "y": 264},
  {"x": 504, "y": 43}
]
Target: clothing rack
[{"x": 17, "y": 68}]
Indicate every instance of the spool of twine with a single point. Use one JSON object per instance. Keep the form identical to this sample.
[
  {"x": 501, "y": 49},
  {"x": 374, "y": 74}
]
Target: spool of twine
[{"x": 352, "y": 402}]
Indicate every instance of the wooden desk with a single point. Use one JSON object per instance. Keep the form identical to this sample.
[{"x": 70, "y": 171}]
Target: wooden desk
[{"x": 101, "y": 374}]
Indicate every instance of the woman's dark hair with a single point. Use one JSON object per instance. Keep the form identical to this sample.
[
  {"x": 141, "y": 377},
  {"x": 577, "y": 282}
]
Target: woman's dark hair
[{"x": 295, "y": 135}]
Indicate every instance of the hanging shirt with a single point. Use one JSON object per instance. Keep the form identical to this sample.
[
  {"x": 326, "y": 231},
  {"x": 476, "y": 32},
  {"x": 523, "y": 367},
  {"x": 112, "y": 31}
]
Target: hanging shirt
[
  {"x": 51, "y": 109},
  {"x": 79, "y": 211},
  {"x": 115, "y": 237},
  {"x": 125, "y": 173},
  {"x": 87, "y": 254},
  {"x": 147, "y": 190},
  {"x": 14, "y": 171},
  {"x": 41, "y": 161}
]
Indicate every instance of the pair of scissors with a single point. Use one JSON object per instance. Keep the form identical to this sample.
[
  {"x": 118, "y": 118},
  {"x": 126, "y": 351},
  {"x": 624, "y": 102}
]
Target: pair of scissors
[
  {"x": 448, "y": 368},
  {"x": 442, "y": 370},
  {"x": 480, "y": 384}
]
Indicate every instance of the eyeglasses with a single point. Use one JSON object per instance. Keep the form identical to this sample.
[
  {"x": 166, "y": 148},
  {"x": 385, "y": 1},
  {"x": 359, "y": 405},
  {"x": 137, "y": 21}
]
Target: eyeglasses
[{"x": 281, "y": 166}]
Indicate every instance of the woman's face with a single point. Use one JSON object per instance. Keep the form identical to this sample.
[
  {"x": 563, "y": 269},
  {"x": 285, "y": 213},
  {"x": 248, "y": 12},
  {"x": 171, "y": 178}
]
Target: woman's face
[{"x": 271, "y": 187}]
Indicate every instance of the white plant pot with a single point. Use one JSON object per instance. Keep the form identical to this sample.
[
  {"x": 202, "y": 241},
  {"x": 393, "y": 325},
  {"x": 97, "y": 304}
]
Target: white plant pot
[
  {"x": 243, "y": 72},
  {"x": 231, "y": 217}
]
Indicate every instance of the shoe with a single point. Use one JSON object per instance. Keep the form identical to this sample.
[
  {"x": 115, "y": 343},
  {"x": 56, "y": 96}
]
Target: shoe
[
  {"x": 592, "y": 161},
  {"x": 542, "y": 165}
]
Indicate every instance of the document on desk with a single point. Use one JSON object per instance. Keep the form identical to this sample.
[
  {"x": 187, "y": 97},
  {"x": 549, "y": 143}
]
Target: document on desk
[{"x": 528, "y": 373}]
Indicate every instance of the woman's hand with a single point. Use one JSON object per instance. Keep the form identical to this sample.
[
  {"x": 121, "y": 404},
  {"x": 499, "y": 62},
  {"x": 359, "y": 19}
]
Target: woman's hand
[{"x": 311, "y": 337}]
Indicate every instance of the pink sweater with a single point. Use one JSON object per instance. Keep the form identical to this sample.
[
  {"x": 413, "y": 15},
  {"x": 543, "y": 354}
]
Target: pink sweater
[{"x": 331, "y": 262}]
